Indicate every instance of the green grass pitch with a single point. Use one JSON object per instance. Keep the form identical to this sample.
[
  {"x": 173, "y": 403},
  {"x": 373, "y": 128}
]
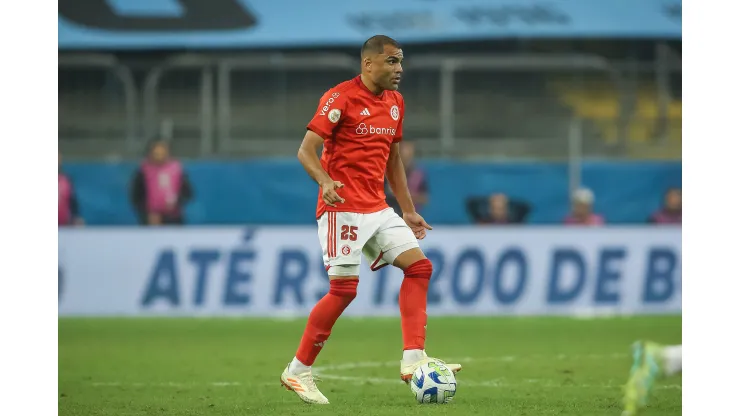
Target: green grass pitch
[{"x": 511, "y": 366}]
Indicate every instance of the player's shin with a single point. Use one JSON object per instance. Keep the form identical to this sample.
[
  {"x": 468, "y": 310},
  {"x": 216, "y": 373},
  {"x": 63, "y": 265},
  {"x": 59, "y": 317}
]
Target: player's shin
[
  {"x": 320, "y": 322},
  {"x": 412, "y": 301}
]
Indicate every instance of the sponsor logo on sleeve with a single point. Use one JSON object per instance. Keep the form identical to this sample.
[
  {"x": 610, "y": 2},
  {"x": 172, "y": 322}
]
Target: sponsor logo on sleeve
[
  {"x": 334, "y": 115},
  {"x": 328, "y": 104}
]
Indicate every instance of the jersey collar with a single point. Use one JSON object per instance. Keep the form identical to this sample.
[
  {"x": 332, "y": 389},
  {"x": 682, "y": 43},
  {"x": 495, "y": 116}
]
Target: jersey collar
[{"x": 363, "y": 87}]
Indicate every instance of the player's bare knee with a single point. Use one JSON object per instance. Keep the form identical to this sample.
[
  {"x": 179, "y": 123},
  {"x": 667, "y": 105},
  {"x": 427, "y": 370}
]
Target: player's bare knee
[
  {"x": 421, "y": 269},
  {"x": 407, "y": 255}
]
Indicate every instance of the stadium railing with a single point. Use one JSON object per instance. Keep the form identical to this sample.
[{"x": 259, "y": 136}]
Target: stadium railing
[{"x": 532, "y": 106}]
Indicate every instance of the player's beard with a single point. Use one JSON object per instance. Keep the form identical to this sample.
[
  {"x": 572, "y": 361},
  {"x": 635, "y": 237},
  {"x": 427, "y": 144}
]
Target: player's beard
[
  {"x": 386, "y": 82},
  {"x": 393, "y": 85}
]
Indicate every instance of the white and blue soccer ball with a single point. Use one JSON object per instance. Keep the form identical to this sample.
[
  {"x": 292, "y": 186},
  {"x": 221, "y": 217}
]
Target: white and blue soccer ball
[{"x": 434, "y": 383}]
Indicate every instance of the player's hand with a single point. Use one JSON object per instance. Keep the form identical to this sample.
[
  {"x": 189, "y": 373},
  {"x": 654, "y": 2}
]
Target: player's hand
[
  {"x": 329, "y": 193},
  {"x": 417, "y": 224}
]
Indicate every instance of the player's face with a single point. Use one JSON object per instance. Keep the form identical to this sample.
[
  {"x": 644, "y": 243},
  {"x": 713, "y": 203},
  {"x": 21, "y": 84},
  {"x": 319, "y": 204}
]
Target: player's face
[{"x": 386, "y": 68}]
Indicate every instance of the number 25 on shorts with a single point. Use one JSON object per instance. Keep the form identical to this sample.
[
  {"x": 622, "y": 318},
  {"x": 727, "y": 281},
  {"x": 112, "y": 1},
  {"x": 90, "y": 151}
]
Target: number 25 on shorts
[{"x": 349, "y": 233}]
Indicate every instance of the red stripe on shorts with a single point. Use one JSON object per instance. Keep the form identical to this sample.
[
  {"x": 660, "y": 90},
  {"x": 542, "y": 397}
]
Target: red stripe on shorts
[
  {"x": 334, "y": 234},
  {"x": 330, "y": 234}
]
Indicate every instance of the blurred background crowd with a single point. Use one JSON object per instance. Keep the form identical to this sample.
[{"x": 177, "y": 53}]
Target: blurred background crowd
[{"x": 517, "y": 112}]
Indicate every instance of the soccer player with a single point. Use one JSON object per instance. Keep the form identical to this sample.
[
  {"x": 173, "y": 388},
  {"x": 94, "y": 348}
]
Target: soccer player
[
  {"x": 360, "y": 124},
  {"x": 650, "y": 362}
]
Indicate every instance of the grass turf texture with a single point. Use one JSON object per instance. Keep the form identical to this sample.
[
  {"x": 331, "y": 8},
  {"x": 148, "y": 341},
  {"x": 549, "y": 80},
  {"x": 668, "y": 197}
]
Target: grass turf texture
[{"x": 511, "y": 366}]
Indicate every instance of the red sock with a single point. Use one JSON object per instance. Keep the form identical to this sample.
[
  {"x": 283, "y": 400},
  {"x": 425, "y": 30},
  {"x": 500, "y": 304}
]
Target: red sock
[
  {"x": 413, "y": 303},
  {"x": 323, "y": 316}
]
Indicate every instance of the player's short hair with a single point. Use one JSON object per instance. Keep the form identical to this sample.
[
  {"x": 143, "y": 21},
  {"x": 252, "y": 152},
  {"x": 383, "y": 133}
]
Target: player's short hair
[{"x": 376, "y": 44}]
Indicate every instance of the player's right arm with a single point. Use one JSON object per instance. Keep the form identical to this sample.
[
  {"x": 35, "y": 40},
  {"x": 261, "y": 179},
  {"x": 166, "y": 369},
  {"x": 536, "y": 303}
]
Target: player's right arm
[
  {"x": 308, "y": 156},
  {"x": 323, "y": 124}
]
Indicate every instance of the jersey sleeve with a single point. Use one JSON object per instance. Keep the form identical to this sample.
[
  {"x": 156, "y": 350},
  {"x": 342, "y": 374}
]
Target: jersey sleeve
[
  {"x": 399, "y": 130},
  {"x": 329, "y": 114}
]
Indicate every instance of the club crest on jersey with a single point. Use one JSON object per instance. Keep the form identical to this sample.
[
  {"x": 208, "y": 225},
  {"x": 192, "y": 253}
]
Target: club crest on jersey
[
  {"x": 394, "y": 113},
  {"x": 346, "y": 250},
  {"x": 334, "y": 115}
]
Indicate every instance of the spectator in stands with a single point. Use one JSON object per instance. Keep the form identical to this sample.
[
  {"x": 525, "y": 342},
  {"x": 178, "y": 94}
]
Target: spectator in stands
[
  {"x": 670, "y": 213},
  {"x": 160, "y": 188},
  {"x": 497, "y": 209},
  {"x": 69, "y": 212},
  {"x": 416, "y": 178},
  {"x": 582, "y": 210}
]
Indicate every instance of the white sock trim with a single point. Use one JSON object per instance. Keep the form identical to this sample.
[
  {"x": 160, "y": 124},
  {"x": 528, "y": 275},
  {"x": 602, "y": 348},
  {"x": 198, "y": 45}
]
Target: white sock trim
[
  {"x": 412, "y": 356},
  {"x": 296, "y": 367}
]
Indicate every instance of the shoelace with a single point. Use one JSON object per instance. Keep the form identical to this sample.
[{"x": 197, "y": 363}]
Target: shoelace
[{"x": 310, "y": 381}]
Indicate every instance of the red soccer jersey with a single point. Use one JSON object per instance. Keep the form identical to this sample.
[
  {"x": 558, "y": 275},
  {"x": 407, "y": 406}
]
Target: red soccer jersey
[{"x": 358, "y": 128}]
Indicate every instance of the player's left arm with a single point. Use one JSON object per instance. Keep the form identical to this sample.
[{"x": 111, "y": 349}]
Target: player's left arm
[
  {"x": 395, "y": 172},
  {"x": 396, "y": 175}
]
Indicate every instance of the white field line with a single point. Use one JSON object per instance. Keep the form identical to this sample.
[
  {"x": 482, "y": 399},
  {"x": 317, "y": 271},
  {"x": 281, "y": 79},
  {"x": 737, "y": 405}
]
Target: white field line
[
  {"x": 165, "y": 384},
  {"x": 321, "y": 371},
  {"x": 462, "y": 360},
  {"x": 497, "y": 383}
]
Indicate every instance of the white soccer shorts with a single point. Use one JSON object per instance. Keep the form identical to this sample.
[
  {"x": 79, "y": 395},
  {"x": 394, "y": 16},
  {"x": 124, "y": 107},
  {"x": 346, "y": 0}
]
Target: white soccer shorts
[{"x": 381, "y": 236}]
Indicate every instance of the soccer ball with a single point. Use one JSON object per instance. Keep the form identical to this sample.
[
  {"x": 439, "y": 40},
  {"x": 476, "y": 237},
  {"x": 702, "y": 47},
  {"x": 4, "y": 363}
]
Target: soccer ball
[{"x": 433, "y": 382}]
